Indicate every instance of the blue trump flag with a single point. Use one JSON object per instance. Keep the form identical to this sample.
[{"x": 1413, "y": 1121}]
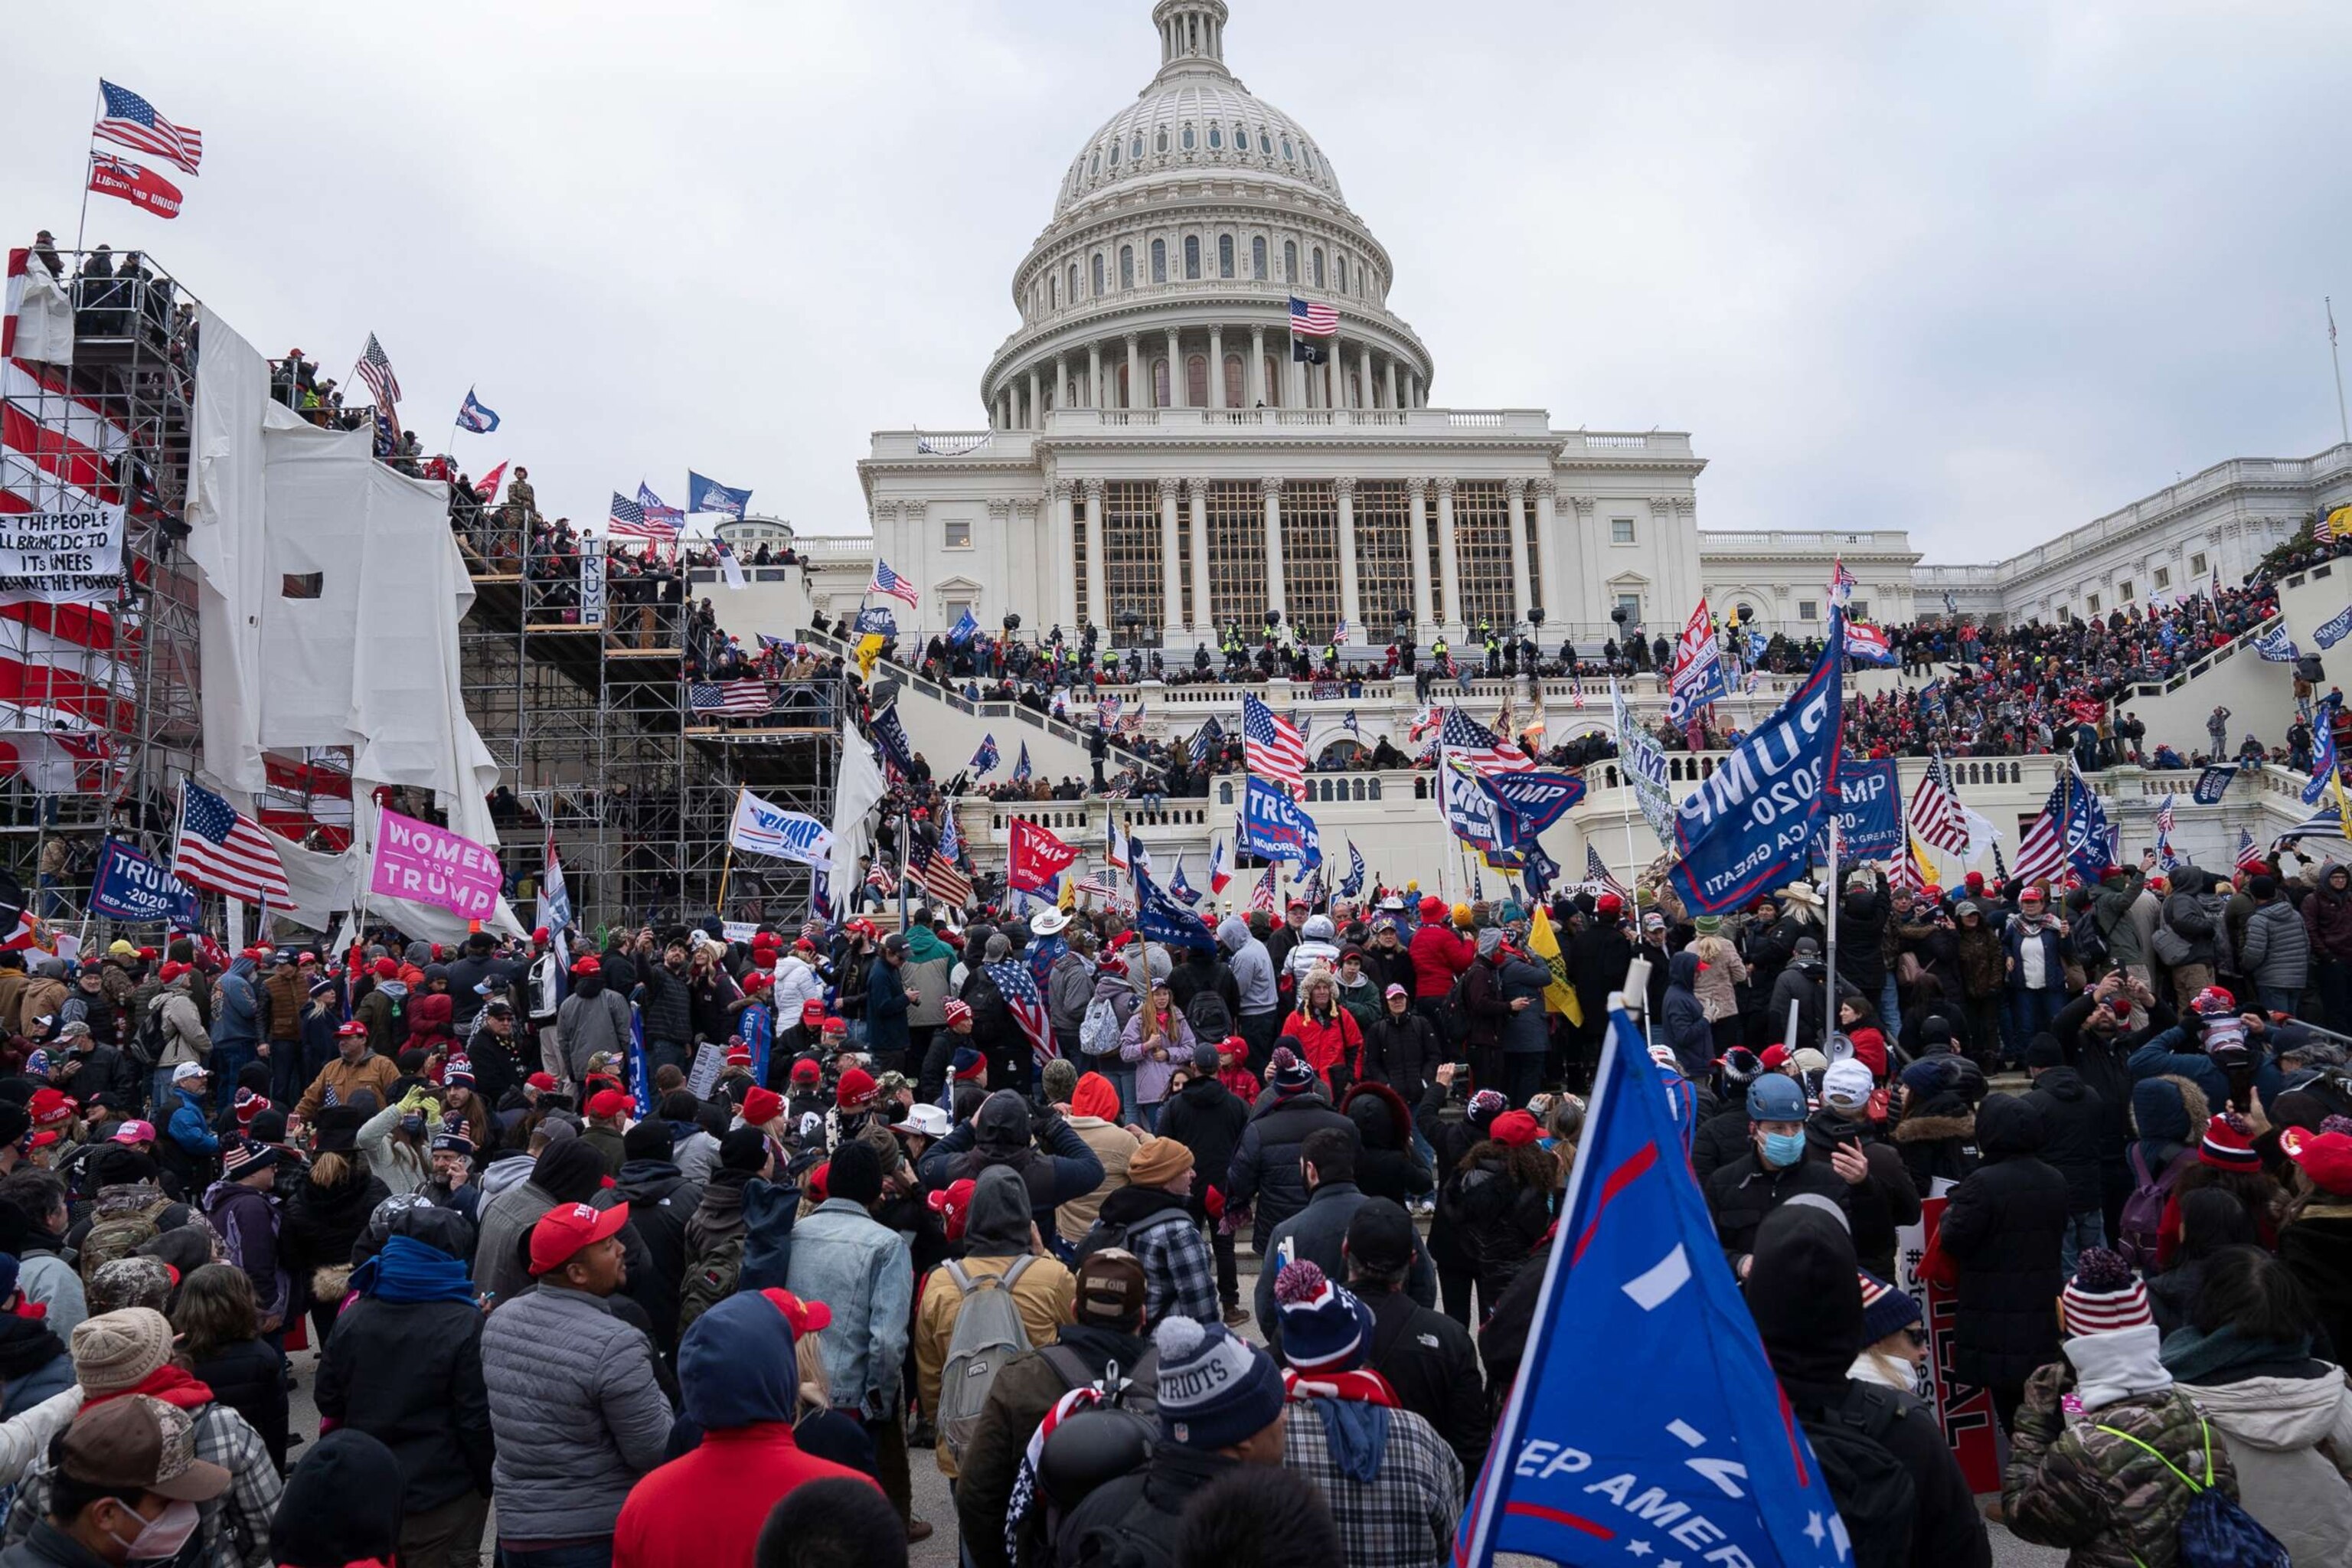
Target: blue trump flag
[
  {"x": 965, "y": 628},
  {"x": 1276, "y": 827},
  {"x": 2091, "y": 844},
  {"x": 1353, "y": 883},
  {"x": 1160, "y": 917},
  {"x": 890, "y": 732},
  {"x": 477, "y": 415},
  {"x": 2323, "y": 762},
  {"x": 2213, "y": 784},
  {"x": 878, "y": 621},
  {"x": 709, "y": 495},
  {"x": 758, "y": 1029},
  {"x": 1750, "y": 825},
  {"x": 983, "y": 761},
  {"x": 129, "y": 887},
  {"x": 641, "y": 1082},
  {"x": 2331, "y": 632},
  {"x": 1673, "y": 1441},
  {"x": 1870, "y": 820}
]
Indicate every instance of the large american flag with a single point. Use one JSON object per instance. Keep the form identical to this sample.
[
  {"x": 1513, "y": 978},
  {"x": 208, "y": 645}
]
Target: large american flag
[
  {"x": 1937, "y": 815},
  {"x": 375, "y": 369},
  {"x": 1466, "y": 739},
  {"x": 1272, "y": 745},
  {"x": 220, "y": 849},
  {"x": 2250, "y": 854},
  {"x": 1313, "y": 321},
  {"x": 889, "y": 584},
  {"x": 2041, "y": 854},
  {"x": 132, "y": 122},
  {"x": 936, "y": 872},
  {"x": 2164, "y": 825},
  {"x": 1596, "y": 873},
  {"x": 1028, "y": 1006},
  {"x": 629, "y": 519},
  {"x": 735, "y": 697}
]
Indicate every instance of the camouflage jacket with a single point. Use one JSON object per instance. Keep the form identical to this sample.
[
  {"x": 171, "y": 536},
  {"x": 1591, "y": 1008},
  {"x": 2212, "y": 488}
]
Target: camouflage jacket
[{"x": 2110, "y": 1502}]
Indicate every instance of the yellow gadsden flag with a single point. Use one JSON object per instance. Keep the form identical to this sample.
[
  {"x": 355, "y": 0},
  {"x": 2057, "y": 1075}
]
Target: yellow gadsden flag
[
  {"x": 1559, "y": 996},
  {"x": 869, "y": 648}
]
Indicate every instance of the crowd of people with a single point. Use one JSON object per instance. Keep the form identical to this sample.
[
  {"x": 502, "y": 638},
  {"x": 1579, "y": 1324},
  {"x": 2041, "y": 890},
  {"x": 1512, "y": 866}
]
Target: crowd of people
[{"x": 672, "y": 1248}]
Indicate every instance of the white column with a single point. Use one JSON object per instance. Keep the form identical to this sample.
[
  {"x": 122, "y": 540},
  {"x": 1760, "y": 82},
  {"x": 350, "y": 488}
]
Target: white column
[
  {"x": 1171, "y": 584},
  {"x": 1135, "y": 393},
  {"x": 1271, "y": 488},
  {"x": 1594, "y": 602},
  {"x": 1413, "y": 395},
  {"x": 1417, "y": 542},
  {"x": 1068, "y": 590},
  {"x": 1094, "y": 376},
  {"x": 1388, "y": 381},
  {"x": 1294, "y": 380},
  {"x": 1351, "y": 610},
  {"x": 1253, "y": 378},
  {"x": 1097, "y": 581},
  {"x": 1549, "y": 592},
  {"x": 1516, "y": 489},
  {"x": 1036, "y": 408},
  {"x": 1065, "y": 384},
  {"x": 1449, "y": 565},
  {"x": 1004, "y": 408},
  {"x": 1204, "y": 620},
  {"x": 1178, "y": 393},
  {"x": 1371, "y": 387},
  {"x": 1217, "y": 367}
]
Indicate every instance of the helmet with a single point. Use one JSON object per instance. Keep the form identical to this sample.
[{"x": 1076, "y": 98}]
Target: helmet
[{"x": 1774, "y": 1098}]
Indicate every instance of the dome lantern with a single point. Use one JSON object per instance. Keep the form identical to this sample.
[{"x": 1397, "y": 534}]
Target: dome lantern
[{"x": 1191, "y": 35}]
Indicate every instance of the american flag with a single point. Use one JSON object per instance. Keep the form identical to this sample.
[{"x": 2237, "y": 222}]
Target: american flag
[
  {"x": 1596, "y": 872},
  {"x": 889, "y": 584},
  {"x": 375, "y": 369},
  {"x": 1466, "y": 739},
  {"x": 2041, "y": 854},
  {"x": 1206, "y": 736},
  {"x": 1107, "y": 712},
  {"x": 1272, "y": 745},
  {"x": 2164, "y": 855},
  {"x": 1027, "y": 1005},
  {"x": 1315, "y": 320},
  {"x": 1262, "y": 895},
  {"x": 1903, "y": 872},
  {"x": 629, "y": 519},
  {"x": 2250, "y": 854},
  {"x": 730, "y": 698},
  {"x": 937, "y": 873},
  {"x": 220, "y": 849},
  {"x": 1841, "y": 584},
  {"x": 1936, "y": 813},
  {"x": 878, "y": 879},
  {"x": 132, "y": 122}
]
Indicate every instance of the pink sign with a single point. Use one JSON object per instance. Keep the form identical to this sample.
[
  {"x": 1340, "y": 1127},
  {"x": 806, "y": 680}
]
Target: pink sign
[{"x": 434, "y": 866}]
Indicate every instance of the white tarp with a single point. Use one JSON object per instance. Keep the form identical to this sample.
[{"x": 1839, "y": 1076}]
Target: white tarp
[
  {"x": 227, "y": 532},
  {"x": 45, "y": 318},
  {"x": 325, "y": 886}
]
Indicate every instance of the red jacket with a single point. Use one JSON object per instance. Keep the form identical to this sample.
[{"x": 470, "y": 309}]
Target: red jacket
[
  {"x": 1438, "y": 955},
  {"x": 708, "y": 1505},
  {"x": 1326, "y": 1044}
]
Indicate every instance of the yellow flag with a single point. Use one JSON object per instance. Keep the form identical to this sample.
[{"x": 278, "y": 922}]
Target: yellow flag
[
  {"x": 869, "y": 648},
  {"x": 1928, "y": 876},
  {"x": 2340, "y": 521},
  {"x": 1069, "y": 896},
  {"x": 1559, "y": 996}
]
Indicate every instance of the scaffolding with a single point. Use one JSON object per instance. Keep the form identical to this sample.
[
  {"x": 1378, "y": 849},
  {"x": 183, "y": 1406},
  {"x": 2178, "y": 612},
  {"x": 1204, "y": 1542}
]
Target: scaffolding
[{"x": 99, "y": 701}]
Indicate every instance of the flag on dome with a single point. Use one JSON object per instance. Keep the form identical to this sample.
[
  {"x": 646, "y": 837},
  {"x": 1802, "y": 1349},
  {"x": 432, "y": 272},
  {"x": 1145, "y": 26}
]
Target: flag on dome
[
  {"x": 889, "y": 583},
  {"x": 476, "y": 415}
]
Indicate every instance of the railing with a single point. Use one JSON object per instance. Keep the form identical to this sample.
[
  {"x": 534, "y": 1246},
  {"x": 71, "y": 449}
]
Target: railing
[
  {"x": 1892, "y": 542},
  {"x": 1432, "y": 423}
]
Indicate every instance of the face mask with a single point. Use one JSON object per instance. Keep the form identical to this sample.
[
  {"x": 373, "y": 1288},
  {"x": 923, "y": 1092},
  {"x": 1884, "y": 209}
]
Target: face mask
[
  {"x": 1782, "y": 1150},
  {"x": 161, "y": 1538}
]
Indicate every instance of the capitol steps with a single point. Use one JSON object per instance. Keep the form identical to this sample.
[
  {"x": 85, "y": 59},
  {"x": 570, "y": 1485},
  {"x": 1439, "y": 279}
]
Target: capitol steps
[{"x": 2260, "y": 695}]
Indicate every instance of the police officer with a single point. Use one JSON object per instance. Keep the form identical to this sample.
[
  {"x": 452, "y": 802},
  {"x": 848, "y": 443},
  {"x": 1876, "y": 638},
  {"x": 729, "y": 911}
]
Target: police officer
[
  {"x": 1493, "y": 652},
  {"x": 1437, "y": 653}
]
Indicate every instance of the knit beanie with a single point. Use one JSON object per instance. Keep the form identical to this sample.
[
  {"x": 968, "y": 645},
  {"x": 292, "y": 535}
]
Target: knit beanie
[
  {"x": 1215, "y": 1389},
  {"x": 1884, "y": 1310},
  {"x": 1287, "y": 1074},
  {"x": 341, "y": 1505},
  {"x": 856, "y": 1173},
  {"x": 2229, "y": 1144},
  {"x": 2103, "y": 1296},
  {"x": 1325, "y": 1327},
  {"x": 1484, "y": 1106},
  {"x": 116, "y": 1351},
  {"x": 1158, "y": 1162}
]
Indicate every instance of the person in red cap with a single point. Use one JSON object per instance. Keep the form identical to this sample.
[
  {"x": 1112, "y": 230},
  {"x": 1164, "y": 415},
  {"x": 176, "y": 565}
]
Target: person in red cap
[
  {"x": 592, "y": 1021},
  {"x": 607, "y": 1109},
  {"x": 1439, "y": 957},
  {"x": 574, "y": 1404},
  {"x": 384, "y": 1009},
  {"x": 806, "y": 1079},
  {"x": 739, "y": 1380}
]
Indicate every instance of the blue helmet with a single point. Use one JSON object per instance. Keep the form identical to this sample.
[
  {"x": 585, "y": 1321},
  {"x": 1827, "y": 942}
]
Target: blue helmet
[{"x": 1774, "y": 1098}]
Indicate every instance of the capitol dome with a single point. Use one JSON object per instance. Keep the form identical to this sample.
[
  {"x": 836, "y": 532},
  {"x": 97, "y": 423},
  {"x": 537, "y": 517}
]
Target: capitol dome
[{"x": 1181, "y": 234}]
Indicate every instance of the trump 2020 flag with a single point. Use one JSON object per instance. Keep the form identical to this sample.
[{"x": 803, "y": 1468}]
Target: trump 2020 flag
[
  {"x": 1674, "y": 1442},
  {"x": 477, "y": 415},
  {"x": 710, "y": 495},
  {"x": 1750, "y": 823}
]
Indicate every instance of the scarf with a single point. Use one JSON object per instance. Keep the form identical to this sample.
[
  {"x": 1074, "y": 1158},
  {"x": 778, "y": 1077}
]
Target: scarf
[
  {"x": 408, "y": 1271},
  {"x": 168, "y": 1382},
  {"x": 1354, "y": 1408},
  {"x": 2119, "y": 1365},
  {"x": 1024, "y": 1480},
  {"x": 26, "y": 1345},
  {"x": 2194, "y": 1357}
]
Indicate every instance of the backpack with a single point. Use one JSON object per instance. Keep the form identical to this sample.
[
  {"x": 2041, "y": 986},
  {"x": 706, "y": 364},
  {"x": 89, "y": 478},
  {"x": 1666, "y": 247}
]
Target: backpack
[
  {"x": 1099, "y": 1031},
  {"x": 988, "y": 1333},
  {"x": 1211, "y": 1024},
  {"x": 1105, "y": 1233},
  {"x": 2142, "y": 1219},
  {"x": 710, "y": 1280},
  {"x": 2215, "y": 1533},
  {"x": 148, "y": 1045},
  {"x": 119, "y": 1236},
  {"x": 1875, "y": 1496},
  {"x": 1453, "y": 1016}
]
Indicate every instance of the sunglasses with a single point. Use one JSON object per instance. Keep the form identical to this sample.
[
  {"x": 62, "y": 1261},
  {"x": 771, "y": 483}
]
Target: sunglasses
[{"x": 1919, "y": 1338}]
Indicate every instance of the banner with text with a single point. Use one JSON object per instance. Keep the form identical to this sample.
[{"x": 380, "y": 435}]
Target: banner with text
[
  {"x": 1274, "y": 826},
  {"x": 71, "y": 555},
  {"x": 1870, "y": 822},
  {"x": 129, "y": 887},
  {"x": 434, "y": 866},
  {"x": 760, "y": 828}
]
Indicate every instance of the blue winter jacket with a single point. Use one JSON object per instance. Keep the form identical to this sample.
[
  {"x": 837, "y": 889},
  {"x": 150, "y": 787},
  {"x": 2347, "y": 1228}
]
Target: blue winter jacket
[
  {"x": 191, "y": 1126},
  {"x": 2168, "y": 1053},
  {"x": 2053, "y": 955},
  {"x": 236, "y": 1020},
  {"x": 886, "y": 1009}
]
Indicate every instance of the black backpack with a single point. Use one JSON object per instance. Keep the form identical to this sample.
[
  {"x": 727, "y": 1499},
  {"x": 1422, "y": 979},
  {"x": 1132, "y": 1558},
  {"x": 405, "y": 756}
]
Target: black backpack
[
  {"x": 1877, "y": 1500},
  {"x": 1211, "y": 1024}
]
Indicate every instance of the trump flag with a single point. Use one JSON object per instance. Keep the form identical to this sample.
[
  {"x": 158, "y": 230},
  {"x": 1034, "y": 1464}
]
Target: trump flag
[{"x": 1645, "y": 1423}]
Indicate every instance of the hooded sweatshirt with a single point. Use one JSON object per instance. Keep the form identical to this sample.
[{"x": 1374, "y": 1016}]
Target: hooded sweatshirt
[
  {"x": 1094, "y": 1116},
  {"x": 1252, "y": 969},
  {"x": 995, "y": 1239},
  {"x": 2275, "y": 1407}
]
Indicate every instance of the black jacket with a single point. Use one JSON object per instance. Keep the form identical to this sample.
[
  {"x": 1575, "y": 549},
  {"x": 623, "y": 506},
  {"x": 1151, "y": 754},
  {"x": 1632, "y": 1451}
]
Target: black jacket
[
  {"x": 1721, "y": 1139},
  {"x": 2318, "y": 1248},
  {"x": 250, "y": 1379},
  {"x": 1503, "y": 1337},
  {"x": 410, "y": 1376},
  {"x": 2073, "y": 1127},
  {"x": 2004, "y": 1226},
  {"x": 322, "y": 1225},
  {"x": 1938, "y": 1138},
  {"x": 1265, "y": 1162},
  {"x": 1387, "y": 1166},
  {"x": 1206, "y": 1118},
  {"x": 1496, "y": 1218},
  {"x": 1401, "y": 1053},
  {"x": 1429, "y": 1359},
  {"x": 1861, "y": 939},
  {"x": 1449, "y": 1142},
  {"x": 660, "y": 1202},
  {"x": 1887, "y": 1200},
  {"x": 1742, "y": 1193},
  {"x": 1596, "y": 965},
  {"x": 1317, "y": 1233}
]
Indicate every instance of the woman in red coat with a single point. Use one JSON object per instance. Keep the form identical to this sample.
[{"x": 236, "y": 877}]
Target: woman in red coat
[{"x": 1325, "y": 1032}]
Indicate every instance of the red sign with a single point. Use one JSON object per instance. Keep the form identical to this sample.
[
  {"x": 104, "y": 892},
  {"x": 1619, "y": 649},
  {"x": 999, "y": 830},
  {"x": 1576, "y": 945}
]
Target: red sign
[
  {"x": 1965, "y": 1409},
  {"x": 143, "y": 189},
  {"x": 1037, "y": 857}
]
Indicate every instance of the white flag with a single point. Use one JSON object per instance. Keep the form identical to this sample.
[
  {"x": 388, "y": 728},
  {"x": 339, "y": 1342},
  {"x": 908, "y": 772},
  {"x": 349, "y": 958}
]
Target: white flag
[
  {"x": 857, "y": 789},
  {"x": 760, "y": 828},
  {"x": 1983, "y": 835}
]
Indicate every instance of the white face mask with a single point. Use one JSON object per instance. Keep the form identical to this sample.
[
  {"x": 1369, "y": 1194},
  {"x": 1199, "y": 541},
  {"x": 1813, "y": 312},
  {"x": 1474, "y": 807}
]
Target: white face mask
[{"x": 160, "y": 1539}]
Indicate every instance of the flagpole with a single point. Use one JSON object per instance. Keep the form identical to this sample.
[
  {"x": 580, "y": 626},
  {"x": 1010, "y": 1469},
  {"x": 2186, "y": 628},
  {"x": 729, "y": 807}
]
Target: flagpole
[
  {"x": 1830, "y": 1011},
  {"x": 727, "y": 866},
  {"x": 89, "y": 167},
  {"x": 2342, "y": 423}
]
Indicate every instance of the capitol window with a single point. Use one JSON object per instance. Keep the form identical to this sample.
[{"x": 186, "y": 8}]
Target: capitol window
[
  {"x": 1188, "y": 138},
  {"x": 1217, "y": 137},
  {"x": 1191, "y": 255},
  {"x": 1342, "y": 263},
  {"x": 1809, "y": 610},
  {"x": 1135, "y": 148},
  {"x": 1159, "y": 262},
  {"x": 1072, "y": 294},
  {"x": 1098, "y": 273},
  {"x": 2124, "y": 591},
  {"x": 1287, "y": 156},
  {"x": 1126, "y": 267},
  {"x": 1114, "y": 155},
  {"x": 1319, "y": 267},
  {"x": 2093, "y": 600},
  {"x": 1620, "y": 530},
  {"x": 2196, "y": 565},
  {"x": 1290, "y": 261},
  {"x": 1632, "y": 605},
  {"x": 2163, "y": 578},
  {"x": 1264, "y": 144},
  {"x": 958, "y": 533},
  {"x": 1094, "y": 165},
  {"x": 1161, "y": 140},
  {"x": 1309, "y": 153},
  {"x": 1224, "y": 255},
  {"x": 1257, "y": 257}
]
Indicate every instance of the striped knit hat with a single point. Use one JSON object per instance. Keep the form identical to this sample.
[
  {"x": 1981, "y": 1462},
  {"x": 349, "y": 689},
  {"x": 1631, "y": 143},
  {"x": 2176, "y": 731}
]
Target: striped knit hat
[
  {"x": 2103, "y": 1296},
  {"x": 1884, "y": 1310},
  {"x": 2229, "y": 1144}
]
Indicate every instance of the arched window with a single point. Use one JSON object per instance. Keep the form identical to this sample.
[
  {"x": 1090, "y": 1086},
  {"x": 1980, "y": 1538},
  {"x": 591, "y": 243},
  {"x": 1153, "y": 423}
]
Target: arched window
[
  {"x": 1240, "y": 138},
  {"x": 1191, "y": 255},
  {"x": 1224, "y": 255},
  {"x": 1319, "y": 267},
  {"x": 1233, "y": 388},
  {"x": 1188, "y": 136},
  {"x": 1094, "y": 165},
  {"x": 1286, "y": 155},
  {"x": 1114, "y": 153},
  {"x": 1126, "y": 267},
  {"x": 1342, "y": 261},
  {"x": 1099, "y": 274},
  {"x": 1135, "y": 147},
  {"x": 1375, "y": 785},
  {"x": 1264, "y": 143},
  {"x": 1161, "y": 140},
  {"x": 1216, "y": 138},
  {"x": 1308, "y": 152},
  {"x": 1159, "y": 383},
  {"x": 1073, "y": 294},
  {"x": 1052, "y": 293},
  {"x": 1196, "y": 380},
  {"x": 1290, "y": 261},
  {"x": 1159, "y": 262},
  {"x": 1257, "y": 256}
]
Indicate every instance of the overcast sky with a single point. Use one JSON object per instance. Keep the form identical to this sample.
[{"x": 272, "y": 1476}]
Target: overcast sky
[{"x": 1982, "y": 270}]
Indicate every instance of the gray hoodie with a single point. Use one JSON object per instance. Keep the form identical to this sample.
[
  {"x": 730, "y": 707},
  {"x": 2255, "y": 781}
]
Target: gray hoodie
[{"x": 1253, "y": 968}]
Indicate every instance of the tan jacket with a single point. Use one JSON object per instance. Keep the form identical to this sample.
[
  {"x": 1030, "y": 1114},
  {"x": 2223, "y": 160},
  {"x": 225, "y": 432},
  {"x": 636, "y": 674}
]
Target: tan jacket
[
  {"x": 370, "y": 1072},
  {"x": 1114, "y": 1145},
  {"x": 184, "y": 1040},
  {"x": 1717, "y": 983},
  {"x": 1045, "y": 1295}
]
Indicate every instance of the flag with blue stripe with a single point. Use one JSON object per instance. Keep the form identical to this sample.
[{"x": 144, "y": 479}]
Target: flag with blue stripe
[
  {"x": 476, "y": 415},
  {"x": 985, "y": 761}
]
